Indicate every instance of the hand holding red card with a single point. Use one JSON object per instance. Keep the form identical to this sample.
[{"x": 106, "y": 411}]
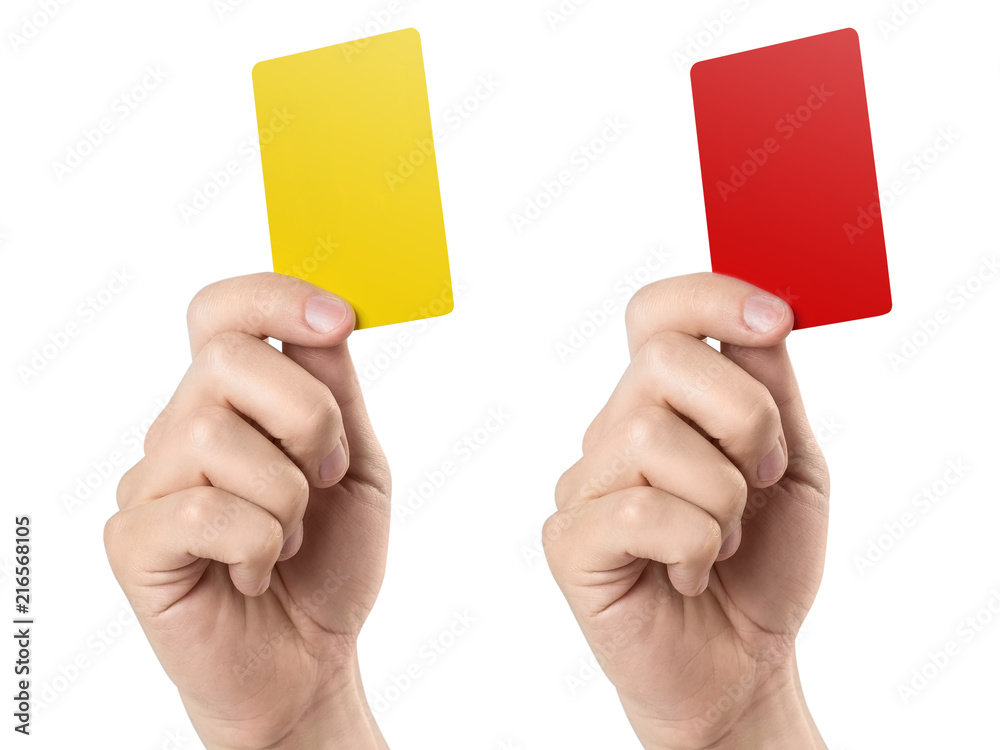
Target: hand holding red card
[{"x": 788, "y": 172}]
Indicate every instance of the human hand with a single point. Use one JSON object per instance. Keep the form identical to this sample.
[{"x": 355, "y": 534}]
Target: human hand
[
  {"x": 688, "y": 546},
  {"x": 251, "y": 537}
]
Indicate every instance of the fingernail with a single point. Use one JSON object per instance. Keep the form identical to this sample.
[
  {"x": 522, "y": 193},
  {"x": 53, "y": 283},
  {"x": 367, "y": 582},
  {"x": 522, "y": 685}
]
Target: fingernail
[
  {"x": 334, "y": 465},
  {"x": 292, "y": 543},
  {"x": 763, "y": 314},
  {"x": 772, "y": 466},
  {"x": 323, "y": 314},
  {"x": 731, "y": 543}
]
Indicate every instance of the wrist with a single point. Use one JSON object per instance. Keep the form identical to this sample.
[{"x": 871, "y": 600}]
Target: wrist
[
  {"x": 778, "y": 718},
  {"x": 338, "y": 718},
  {"x": 775, "y": 717}
]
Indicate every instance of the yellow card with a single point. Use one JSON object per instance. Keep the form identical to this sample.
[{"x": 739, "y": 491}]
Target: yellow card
[{"x": 353, "y": 202}]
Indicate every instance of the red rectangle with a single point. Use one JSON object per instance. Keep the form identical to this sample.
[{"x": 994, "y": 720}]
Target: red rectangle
[{"x": 788, "y": 173}]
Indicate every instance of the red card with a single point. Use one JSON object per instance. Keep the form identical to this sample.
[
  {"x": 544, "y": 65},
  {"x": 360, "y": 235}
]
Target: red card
[{"x": 789, "y": 176}]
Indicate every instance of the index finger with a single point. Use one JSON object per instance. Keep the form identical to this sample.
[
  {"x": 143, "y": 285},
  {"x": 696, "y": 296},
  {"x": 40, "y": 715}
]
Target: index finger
[
  {"x": 752, "y": 326},
  {"x": 707, "y": 305},
  {"x": 269, "y": 305},
  {"x": 313, "y": 325}
]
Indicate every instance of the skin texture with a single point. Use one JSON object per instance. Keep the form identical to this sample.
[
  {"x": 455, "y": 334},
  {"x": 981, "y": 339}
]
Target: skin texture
[
  {"x": 688, "y": 560},
  {"x": 250, "y": 558}
]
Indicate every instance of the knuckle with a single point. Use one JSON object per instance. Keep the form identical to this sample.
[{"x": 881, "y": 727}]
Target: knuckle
[
  {"x": 555, "y": 528},
  {"x": 643, "y": 426},
  {"x": 736, "y": 490},
  {"x": 563, "y": 487},
  {"x": 590, "y": 435},
  {"x": 550, "y": 534},
  {"x": 322, "y": 412},
  {"x": 631, "y": 511},
  {"x": 282, "y": 482},
  {"x": 659, "y": 351},
  {"x": 264, "y": 299},
  {"x": 195, "y": 511},
  {"x": 153, "y": 434},
  {"x": 709, "y": 542},
  {"x": 635, "y": 310},
  {"x": 700, "y": 287},
  {"x": 114, "y": 530},
  {"x": 126, "y": 487},
  {"x": 222, "y": 351},
  {"x": 299, "y": 493},
  {"x": 272, "y": 539},
  {"x": 697, "y": 291},
  {"x": 205, "y": 425},
  {"x": 762, "y": 412},
  {"x": 198, "y": 305},
  {"x": 160, "y": 426}
]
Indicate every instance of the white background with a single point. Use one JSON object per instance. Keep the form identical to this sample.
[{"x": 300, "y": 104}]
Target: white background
[{"x": 889, "y": 432}]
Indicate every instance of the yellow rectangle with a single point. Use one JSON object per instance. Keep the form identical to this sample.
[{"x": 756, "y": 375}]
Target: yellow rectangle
[{"x": 350, "y": 177}]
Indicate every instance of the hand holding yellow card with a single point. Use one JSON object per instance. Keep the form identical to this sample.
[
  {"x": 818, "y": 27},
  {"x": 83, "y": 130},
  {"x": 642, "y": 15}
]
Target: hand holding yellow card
[{"x": 353, "y": 202}]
